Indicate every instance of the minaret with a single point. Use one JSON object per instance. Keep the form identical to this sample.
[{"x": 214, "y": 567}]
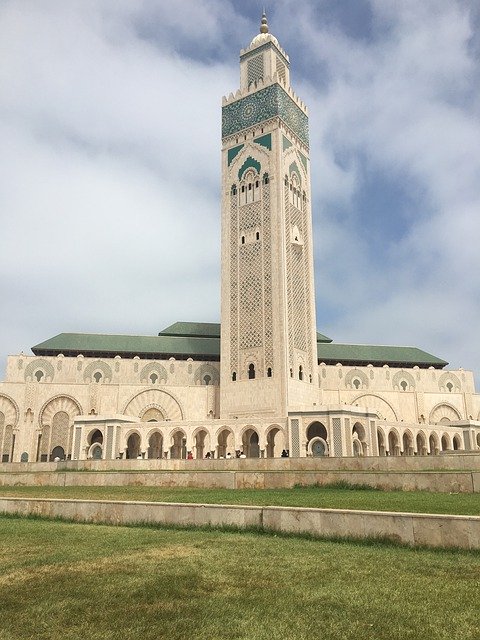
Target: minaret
[{"x": 268, "y": 342}]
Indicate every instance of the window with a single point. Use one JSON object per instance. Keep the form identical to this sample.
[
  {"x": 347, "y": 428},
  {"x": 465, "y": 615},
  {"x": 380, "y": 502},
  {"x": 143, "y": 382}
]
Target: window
[
  {"x": 243, "y": 239},
  {"x": 39, "y": 375},
  {"x": 266, "y": 179},
  {"x": 97, "y": 376},
  {"x": 269, "y": 372},
  {"x": 291, "y": 373},
  {"x": 234, "y": 376},
  {"x": 257, "y": 235},
  {"x": 153, "y": 378},
  {"x": 234, "y": 190},
  {"x": 207, "y": 379},
  {"x": 449, "y": 386},
  {"x": 356, "y": 383},
  {"x": 404, "y": 385},
  {"x": 251, "y": 371},
  {"x": 300, "y": 372}
]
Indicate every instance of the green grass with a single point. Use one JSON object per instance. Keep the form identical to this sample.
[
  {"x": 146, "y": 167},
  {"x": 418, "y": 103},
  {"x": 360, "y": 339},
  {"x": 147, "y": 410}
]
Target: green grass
[
  {"x": 332, "y": 497},
  {"x": 69, "y": 581}
]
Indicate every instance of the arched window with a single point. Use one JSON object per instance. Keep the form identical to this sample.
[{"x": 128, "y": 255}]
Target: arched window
[
  {"x": 291, "y": 373},
  {"x": 300, "y": 372},
  {"x": 251, "y": 371},
  {"x": 266, "y": 179},
  {"x": 404, "y": 385},
  {"x": 97, "y": 376},
  {"x": 153, "y": 378},
  {"x": 257, "y": 235},
  {"x": 234, "y": 190},
  {"x": 449, "y": 386},
  {"x": 234, "y": 376},
  {"x": 356, "y": 383},
  {"x": 39, "y": 375},
  {"x": 207, "y": 379},
  {"x": 269, "y": 372},
  {"x": 243, "y": 239}
]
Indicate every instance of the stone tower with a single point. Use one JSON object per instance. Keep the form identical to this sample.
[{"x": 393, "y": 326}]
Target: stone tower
[{"x": 268, "y": 341}]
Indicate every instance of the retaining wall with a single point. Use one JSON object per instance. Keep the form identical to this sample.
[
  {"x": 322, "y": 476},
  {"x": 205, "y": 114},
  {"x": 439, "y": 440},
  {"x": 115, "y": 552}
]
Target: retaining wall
[
  {"x": 437, "y": 481},
  {"x": 409, "y": 528}
]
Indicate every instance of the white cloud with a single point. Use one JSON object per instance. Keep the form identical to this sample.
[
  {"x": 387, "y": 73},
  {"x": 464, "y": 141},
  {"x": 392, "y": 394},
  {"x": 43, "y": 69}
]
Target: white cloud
[{"x": 110, "y": 190}]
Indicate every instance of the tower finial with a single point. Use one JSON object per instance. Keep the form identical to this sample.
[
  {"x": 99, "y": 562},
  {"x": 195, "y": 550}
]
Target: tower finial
[{"x": 264, "y": 25}]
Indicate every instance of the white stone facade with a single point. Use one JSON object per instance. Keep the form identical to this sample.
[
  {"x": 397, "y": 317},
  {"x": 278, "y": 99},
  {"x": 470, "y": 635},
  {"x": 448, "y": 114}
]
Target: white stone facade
[{"x": 270, "y": 395}]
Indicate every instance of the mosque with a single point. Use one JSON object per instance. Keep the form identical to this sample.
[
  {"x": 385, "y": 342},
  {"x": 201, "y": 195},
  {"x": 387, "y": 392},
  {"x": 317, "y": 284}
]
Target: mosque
[{"x": 264, "y": 382}]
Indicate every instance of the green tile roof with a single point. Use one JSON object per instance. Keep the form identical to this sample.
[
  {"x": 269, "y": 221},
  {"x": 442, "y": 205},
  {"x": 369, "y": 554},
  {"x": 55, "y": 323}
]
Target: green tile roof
[
  {"x": 193, "y": 329},
  {"x": 201, "y": 341},
  {"x": 98, "y": 345},
  {"x": 363, "y": 354}
]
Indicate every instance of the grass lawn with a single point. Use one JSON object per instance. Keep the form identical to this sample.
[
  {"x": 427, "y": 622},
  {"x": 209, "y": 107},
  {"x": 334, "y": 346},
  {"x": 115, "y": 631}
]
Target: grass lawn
[
  {"x": 69, "y": 581},
  {"x": 326, "y": 497}
]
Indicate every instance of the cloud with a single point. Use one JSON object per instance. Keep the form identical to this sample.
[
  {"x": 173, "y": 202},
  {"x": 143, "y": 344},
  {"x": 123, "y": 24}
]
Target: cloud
[{"x": 110, "y": 190}]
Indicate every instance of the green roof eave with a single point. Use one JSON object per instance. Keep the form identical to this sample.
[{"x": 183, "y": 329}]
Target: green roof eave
[{"x": 378, "y": 355}]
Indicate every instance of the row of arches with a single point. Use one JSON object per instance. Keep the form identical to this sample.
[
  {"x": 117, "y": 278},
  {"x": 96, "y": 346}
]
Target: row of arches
[
  {"x": 395, "y": 444},
  {"x": 177, "y": 445}
]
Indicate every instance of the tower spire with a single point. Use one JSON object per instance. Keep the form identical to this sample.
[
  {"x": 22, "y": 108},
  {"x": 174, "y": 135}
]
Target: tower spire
[{"x": 264, "y": 24}]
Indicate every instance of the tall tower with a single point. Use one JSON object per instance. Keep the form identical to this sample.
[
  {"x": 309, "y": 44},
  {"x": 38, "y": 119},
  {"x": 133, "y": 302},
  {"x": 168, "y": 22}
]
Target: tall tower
[{"x": 268, "y": 339}]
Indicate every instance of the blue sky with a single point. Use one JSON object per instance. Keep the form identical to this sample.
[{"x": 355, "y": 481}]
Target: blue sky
[{"x": 109, "y": 196}]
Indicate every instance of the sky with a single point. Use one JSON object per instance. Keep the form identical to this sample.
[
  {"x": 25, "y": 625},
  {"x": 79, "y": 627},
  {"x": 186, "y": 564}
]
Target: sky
[{"x": 110, "y": 184}]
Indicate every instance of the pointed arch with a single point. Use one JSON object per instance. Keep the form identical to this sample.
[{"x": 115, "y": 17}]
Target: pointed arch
[
  {"x": 9, "y": 408},
  {"x": 444, "y": 413}
]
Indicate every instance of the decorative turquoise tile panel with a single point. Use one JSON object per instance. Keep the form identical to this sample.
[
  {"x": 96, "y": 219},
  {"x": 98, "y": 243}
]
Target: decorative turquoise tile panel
[
  {"x": 233, "y": 152},
  {"x": 304, "y": 160},
  {"x": 265, "y": 141},
  {"x": 286, "y": 143},
  {"x": 249, "y": 162},
  {"x": 263, "y": 105}
]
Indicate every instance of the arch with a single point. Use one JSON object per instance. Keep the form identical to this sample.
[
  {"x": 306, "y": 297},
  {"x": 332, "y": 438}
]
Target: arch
[
  {"x": 251, "y": 371},
  {"x": 445, "y": 442},
  {"x": 407, "y": 443},
  {"x": 457, "y": 442},
  {"x": 276, "y": 441},
  {"x": 393, "y": 442},
  {"x": 57, "y": 452},
  {"x": 133, "y": 445},
  {"x": 9, "y": 409},
  {"x": 58, "y": 403},
  {"x": 178, "y": 448},
  {"x": 39, "y": 364},
  {"x": 95, "y": 437},
  {"x": 153, "y": 368},
  {"x": 449, "y": 382},
  {"x": 56, "y": 419},
  {"x": 250, "y": 163},
  {"x": 206, "y": 370},
  {"x": 168, "y": 405},
  {"x": 444, "y": 413},
  {"x": 421, "y": 441},
  {"x": 95, "y": 452},
  {"x": 251, "y": 443},
  {"x": 356, "y": 375},
  {"x": 225, "y": 442},
  {"x": 201, "y": 439},
  {"x": 95, "y": 367},
  {"x": 383, "y": 408},
  {"x": 152, "y": 414},
  {"x": 359, "y": 440},
  {"x": 316, "y": 430},
  {"x": 382, "y": 451},
  {"x": 403, "y": 377},
  {"x": 155, "y": 445},
  {"x": 433, "y": 444},
  {"x": 318, "y": 447}
]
